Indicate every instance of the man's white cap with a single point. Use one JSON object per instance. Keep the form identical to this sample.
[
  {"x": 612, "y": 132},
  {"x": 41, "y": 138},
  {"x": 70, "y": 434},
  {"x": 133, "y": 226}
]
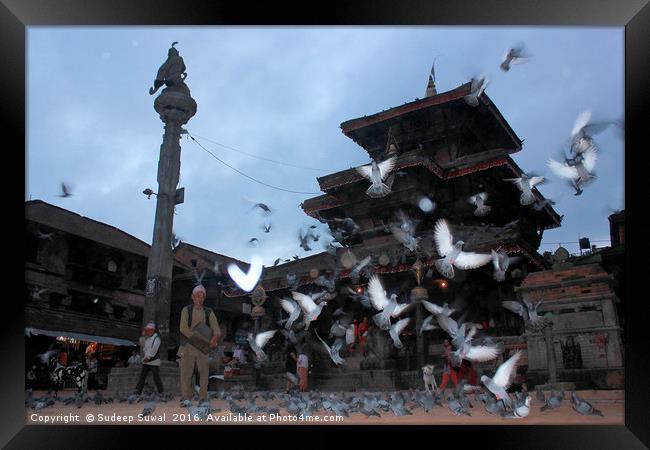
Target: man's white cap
[
  {"x": 198, "y": 288},
  {"x": 151, "y": 325}
]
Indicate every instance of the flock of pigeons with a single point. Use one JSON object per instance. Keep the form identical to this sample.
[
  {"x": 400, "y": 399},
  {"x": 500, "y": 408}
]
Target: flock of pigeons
[{"x": 305, "y": 404}]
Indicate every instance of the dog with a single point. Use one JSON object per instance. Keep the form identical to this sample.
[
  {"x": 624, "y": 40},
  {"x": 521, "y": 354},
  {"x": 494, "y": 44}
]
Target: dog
[{"x": 429, "y": 378}]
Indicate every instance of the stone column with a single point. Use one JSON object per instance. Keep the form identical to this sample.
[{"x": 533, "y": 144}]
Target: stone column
[
  {"x": 550, "y": 353},
  {"x": 175, "y": 107}
]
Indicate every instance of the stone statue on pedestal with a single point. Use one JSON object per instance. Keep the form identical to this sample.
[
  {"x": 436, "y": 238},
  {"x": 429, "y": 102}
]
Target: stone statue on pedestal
[{"x": 171, "y": 73}]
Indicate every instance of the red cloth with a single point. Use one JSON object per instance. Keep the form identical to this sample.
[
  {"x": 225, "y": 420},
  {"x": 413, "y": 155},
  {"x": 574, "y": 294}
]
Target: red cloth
[
  {"x": 63, "y": 358},
  {"x": 302, "y": 375}
]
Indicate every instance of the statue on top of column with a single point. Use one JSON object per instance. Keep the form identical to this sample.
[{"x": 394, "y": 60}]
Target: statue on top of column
[{"x": 171, "y": 73}]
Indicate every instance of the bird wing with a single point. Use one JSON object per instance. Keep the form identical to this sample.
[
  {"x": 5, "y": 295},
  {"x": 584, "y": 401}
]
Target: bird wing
[
  {"x": 261, "y": 339},
  {"x": 535, "y": 180},
  {"x": 377, "y": 294},
  {"x": 327, "y": 347},
  {"x": 516, "y": 181},
  {"x": 401, "y": 309},
  {"x": 432, "y": 307},
  {"x": 385, "y": 167},
  {"x": 365, "y": 171},
  {"x": 515, "y": 307},
  {"x": 519, "y": 60},
  {"x": 448, "y": 324},
  {"x": 505, "y": 372},
  {"x": 581, "y": 121},
  {"x": 482, "y": 353},
  {"x": 305, "y": 301},
  {"x": 288, "y": 305},
  {"x": 590, "y": 158},
  {"x": 443, "y": 238},
  {"x": 400, "y": 234},
  {"x": 562, "y": 169},
  {"x": 470, "y": 260},
  {"x": 399, "y": 326}
]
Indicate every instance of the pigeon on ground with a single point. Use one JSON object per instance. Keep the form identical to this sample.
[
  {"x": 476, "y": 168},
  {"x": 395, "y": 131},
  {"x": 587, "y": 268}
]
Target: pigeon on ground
[
  {"x": 308, "y": 306},
  {"x": 583, "y": 406},
  {"x": 476, "y": 89},
  {"x": 479, "y": 200},
  {"x": 513, "y": 56},
  {"x": 502, "y": 379},
  {"x": 525, "y": 184},
  {"x": 376, "y": 174},
  {"x": 494, "y": 406},
  {"x": 258, "y": 342},
  {"x": 455, "y": 406},
  {"x": 453, "y": 254},
  {"x": 397, "y": 405},
  {"x": 522, "y": 407},
  {"x": 149, "y": 407},
  {"x": 554, "y": 401}
]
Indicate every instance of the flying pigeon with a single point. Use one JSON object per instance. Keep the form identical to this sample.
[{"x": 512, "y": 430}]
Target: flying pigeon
[
  {"x": 354, "y": 274},
  {"x": 583, "y": 407},
  {"x": 334, "y": 350},
  {"x": 479, "y": 200},
  {"x": 453, "y": 254},
  {"x": 45, "y": 235},
  {"x": 435, "y": 309},
  {"x": 387, "y": 305},
  {"x": 540, "y": 204},
  {"x": 263, "y": 207},
  {"x": 461, "y": 340},
  {"x": 304, "y": 241},
  {"x": 258, "y": 342},
  {"x": 66, "y": 190},
  {"x": 309, "y": 307},
  {"x": 579, "y": 170},
  {"x": 529, "y": 313},
  {"x": 266, "y": 227},
  {"x": 514, "y": 56},
  {"x": 292, "y": 308},
  {"x": 525, "y": 184},
  {"x": 476, "y": 89},
  {"x": 253, "y": 241},
  {"x": 396, "y": 329},
  {"x": 405, "y": 238},
  {"x": 581, "y": 139},
  {"x": 427, "y": 325},
  {"x": 247, "y": 281},
  {"x": 502, "y": 379},
  {"x": 376, "y": 174},
  {"x": 501, "y": 261}
]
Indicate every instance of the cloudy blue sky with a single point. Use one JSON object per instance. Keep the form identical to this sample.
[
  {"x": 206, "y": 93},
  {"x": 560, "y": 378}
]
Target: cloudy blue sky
[{"x": 281, "y": 93}]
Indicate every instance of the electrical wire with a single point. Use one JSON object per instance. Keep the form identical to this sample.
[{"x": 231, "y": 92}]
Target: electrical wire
[
  {"x": 264, "y": 159},
  {"x": 248, "y": 176}
]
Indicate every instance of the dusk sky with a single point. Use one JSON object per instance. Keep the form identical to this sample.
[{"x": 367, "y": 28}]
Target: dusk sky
[{"x": 280, "y": 93}]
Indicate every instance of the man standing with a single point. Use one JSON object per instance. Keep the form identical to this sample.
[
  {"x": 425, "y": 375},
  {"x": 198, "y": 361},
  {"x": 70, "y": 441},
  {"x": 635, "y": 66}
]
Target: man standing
[
  {"x": 290, "y": 364},
  {"x": 303, "y": 369},
  {"x": 450, "y": 371},
  {"x": 362, "y": 332},
  {"x": 151, "y": 360},
  {"x": 200, "y": 333}
]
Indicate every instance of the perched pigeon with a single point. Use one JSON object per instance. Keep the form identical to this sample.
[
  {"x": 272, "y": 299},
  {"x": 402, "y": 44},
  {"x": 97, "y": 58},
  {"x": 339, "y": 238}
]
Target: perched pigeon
[
  {"x": 453, "y": 254},
  {"x": 376, "y": 174},
  {"x": 479, "y": 200},
  {"x": 276, "y": 262},
  {"x": 583, "y": 406},
  {"x": 396, "y": 329},
  {"x": 258, "y": 342},
  {"x": 476, "y": 89},
  {"x": 502, "y": 379},
  {"x": 309, "y": 307},
  {"x": 513, "y": 56},
  {"x": 525, "y": 184}
]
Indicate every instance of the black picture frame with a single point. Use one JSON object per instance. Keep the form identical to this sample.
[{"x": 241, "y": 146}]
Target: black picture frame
[{"x": 634, "y": 15}]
